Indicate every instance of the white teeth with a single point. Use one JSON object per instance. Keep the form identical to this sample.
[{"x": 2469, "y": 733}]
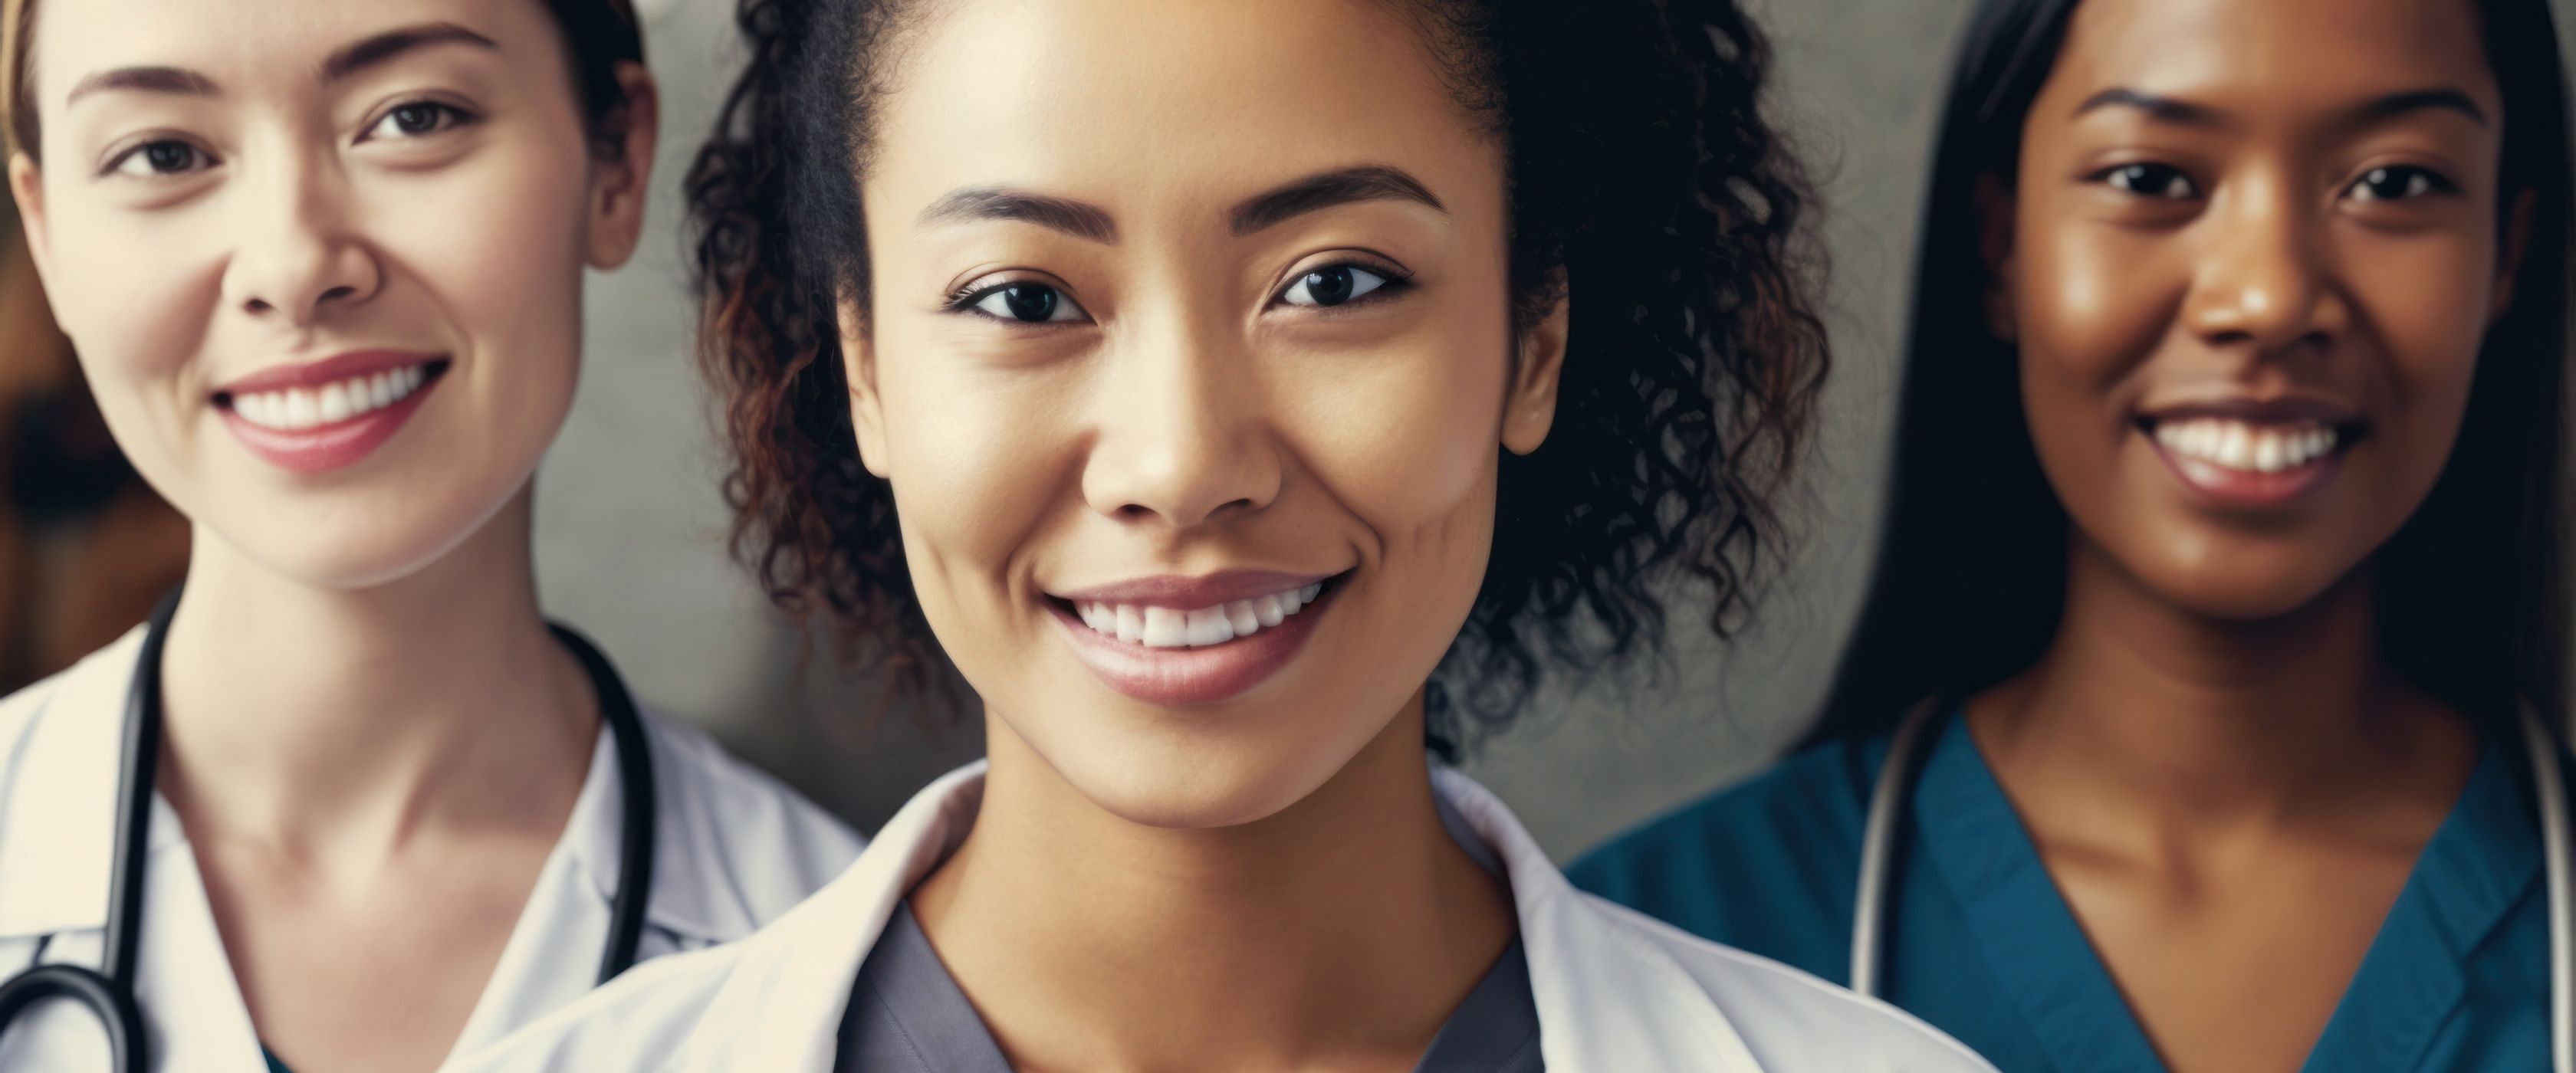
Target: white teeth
[
  {"x": 1209, "y": 626},
  {"x": 1164, "y": 627},
  {"x": 2246, "y": 446},
  {"x": 294, "y": 409}
]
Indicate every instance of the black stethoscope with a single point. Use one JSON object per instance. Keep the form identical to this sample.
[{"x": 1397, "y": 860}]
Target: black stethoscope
[
  {"x": 1907, "y": 751},
  {"x": 109, "y": 994}
]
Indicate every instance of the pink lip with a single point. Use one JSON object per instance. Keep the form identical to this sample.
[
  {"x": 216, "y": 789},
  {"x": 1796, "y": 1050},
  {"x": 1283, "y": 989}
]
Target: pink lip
[
  {"x": 2231, "y": 489},
  {"x": 1187, "y": 676},
  {"x": 323, "y": 448},
  {"x": 348, "y": 366}
]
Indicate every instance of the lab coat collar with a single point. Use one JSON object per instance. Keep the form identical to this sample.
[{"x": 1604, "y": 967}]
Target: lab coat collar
[
  {"x": 1609, "y": 996},
  {"x": 58, "y": 843},
  {"x": 685, "y": 901}
]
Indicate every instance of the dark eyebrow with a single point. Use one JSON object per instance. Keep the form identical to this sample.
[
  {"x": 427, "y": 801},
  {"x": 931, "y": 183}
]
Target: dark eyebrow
[
  {"x": 2166, "y": 109},
  {"x": 385, "y": 46},
  {"x": 2397, "y": 104},
  {"x": 1076, "y": 218},
  {"x": 2186, "y": 113},
  {"x": 1326, "y": 189},
  {"x": 145, "y": 80}
]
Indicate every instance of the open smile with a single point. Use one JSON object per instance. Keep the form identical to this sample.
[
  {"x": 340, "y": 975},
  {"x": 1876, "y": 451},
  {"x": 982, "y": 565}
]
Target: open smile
[
  {"x": 2251, "y": 461},
  {"x": 328, "y": 414},
  {"x": 1194, "y": 641}
]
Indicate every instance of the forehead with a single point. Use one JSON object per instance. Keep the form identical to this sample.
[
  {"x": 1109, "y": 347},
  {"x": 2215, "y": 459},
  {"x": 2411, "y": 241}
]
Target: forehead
[
  {"x": 247, "y": 41},
  {"x": 1118, "y": 100},
  {"x": 2292, "y": 53}
]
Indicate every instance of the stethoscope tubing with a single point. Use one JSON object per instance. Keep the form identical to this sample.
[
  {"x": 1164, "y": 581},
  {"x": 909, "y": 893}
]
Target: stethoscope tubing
[
  {"x": 108, "y": 993},
  {"x": 1905, "y": 755}
]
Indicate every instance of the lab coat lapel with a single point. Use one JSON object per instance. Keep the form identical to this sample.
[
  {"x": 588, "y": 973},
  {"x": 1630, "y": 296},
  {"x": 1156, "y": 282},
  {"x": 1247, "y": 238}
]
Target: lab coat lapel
[
  {"x": 781, "y": 1010},
  {"x": 56, "y": 850},
  {"x": 1608, "y": 997}
]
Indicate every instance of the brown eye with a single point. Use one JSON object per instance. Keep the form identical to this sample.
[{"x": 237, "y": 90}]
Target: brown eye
[
  {"x": 1333, "y": 285},
  {"x": 1024, "y": 303},
  {"x": 160, "y": 159},
  {"x": 2397, "y": 183},
  {"x": 2150, "y": 180},
  {"x": 418, "y": 119}
]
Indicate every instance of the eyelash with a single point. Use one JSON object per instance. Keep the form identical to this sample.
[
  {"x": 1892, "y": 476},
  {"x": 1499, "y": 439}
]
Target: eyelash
[
  {"x": 453, "y": 117},
  {"x": 445, "y": 117},
  {"x": 967, "y": 300},
  {"x": 1397, "y": 281},
  {"x": 198, "y": 154},
  {"x": 2436, "y": 184}
]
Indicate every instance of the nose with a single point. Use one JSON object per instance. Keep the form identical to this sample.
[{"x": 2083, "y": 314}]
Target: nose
[
  {"x": 1183, "y": 437},
  {"x": 2266, "y": 279},
  {"x": 298, "y": 257}
]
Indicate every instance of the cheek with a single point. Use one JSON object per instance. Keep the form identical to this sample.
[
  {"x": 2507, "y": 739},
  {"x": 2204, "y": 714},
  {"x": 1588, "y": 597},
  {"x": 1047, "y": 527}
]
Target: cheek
[
  {"x": 2426, "y": 301},
  {"x": 979, "y": 459},
  {"x": 2090, "y": 302},
  {"x": 137, "y": 295},
  {"x": 1403, "y": 433}
]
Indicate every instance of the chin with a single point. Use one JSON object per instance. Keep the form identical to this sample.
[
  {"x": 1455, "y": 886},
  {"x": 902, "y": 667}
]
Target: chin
[
  {"x": 356, "y": 548},
  {"x": 1192, "y": 781},
  {"x": 2248, "y": 589}
]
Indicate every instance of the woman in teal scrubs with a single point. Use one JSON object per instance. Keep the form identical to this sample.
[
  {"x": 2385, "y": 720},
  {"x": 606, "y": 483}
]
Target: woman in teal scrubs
[{"x": 2222, "y": 559}]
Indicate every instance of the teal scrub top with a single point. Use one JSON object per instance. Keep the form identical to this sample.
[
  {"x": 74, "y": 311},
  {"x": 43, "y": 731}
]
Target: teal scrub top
[{"x": 1981, "y": 944}]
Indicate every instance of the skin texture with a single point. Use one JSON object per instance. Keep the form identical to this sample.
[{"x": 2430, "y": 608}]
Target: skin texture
[
  {"x": 2221, "y": 774},
  {"x": 1262, "y": 877},
  {"x": 371, "y": 740}
]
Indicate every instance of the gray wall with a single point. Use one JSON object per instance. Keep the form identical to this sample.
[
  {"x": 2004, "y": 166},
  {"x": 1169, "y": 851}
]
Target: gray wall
[{"x": 631, "y": 530}]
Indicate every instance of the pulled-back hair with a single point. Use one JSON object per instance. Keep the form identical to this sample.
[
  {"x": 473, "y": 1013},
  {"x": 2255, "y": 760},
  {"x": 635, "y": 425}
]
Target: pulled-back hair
[{"x": 1640, "y": 169}]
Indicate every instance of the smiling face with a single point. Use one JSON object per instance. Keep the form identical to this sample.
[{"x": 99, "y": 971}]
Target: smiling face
[
  {"x": 2253, "y": 250},
  {"x": 322, "y": 261},
  {"x": 1189, "y": 358}
]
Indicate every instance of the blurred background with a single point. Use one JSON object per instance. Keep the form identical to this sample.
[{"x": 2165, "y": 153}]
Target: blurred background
[{"x": 630, "y": 535}]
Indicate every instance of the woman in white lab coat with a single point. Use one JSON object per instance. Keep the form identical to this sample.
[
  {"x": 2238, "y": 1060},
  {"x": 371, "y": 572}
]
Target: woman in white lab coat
[
  {"x": 323, "y": 266},
  {"x": 1244, "y": 395}
]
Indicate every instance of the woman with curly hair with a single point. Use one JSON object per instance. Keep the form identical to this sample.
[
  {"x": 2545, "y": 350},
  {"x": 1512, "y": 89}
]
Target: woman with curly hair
[
  {"x": 2201, "y": 714},
  {"x": 1243, "y": 396}
]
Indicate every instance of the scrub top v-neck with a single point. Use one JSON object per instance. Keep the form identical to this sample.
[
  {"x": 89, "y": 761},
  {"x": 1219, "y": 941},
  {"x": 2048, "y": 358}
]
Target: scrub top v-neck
[
  {"x": 907, "y": 1015},
  {"x": 1983, "y": 946}
]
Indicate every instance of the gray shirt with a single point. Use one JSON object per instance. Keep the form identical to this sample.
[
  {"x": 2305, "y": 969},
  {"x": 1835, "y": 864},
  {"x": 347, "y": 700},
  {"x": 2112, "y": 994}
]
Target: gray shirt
[{"x": 907, "y": 1015}]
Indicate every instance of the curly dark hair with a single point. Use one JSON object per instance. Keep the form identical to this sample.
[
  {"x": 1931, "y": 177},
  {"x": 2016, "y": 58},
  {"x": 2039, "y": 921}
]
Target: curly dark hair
[{"x": 1640, "y": 168}]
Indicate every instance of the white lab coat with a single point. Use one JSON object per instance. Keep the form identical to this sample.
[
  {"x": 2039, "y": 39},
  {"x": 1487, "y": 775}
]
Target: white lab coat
[
  {"x": 1617, "y": 992},
  {"x": 733, "y": 850}
]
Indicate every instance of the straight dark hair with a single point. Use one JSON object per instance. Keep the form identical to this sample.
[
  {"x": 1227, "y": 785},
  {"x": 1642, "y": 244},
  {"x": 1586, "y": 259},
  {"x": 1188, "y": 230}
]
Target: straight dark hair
[{"x": 1971, "y": 573}]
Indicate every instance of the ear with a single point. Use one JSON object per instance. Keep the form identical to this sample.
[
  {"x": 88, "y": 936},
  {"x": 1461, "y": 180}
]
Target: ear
[
  {"x": 618, "y": 183},
  {"x": 1994, "y": 206},
  {"x": 27, "y": 185},
  {"x": 859, "y": 368},
  {"x": 1529, "y": 406},
  {"x": 2516, "y": 240}
]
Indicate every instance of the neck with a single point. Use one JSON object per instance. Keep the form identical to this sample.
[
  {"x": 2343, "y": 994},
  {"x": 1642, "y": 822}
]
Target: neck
[
  {"x": 1340, "y": 932},
  {"x": 316, "y": 718},
  {"x": 2146, "y": 707}
]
